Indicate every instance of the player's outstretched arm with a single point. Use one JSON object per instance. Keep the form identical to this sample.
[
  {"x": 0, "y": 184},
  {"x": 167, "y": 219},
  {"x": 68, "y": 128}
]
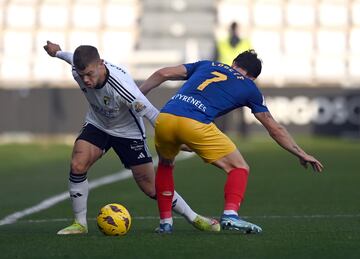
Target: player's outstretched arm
[
  {"x": 284, "y": 139},
  {"x": 162, "y": 75},
  {"x": 54, "y": 50}
]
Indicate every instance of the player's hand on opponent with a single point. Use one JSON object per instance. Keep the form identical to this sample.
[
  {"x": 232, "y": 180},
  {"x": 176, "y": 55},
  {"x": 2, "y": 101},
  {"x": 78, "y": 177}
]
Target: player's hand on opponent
[
  {"x": 51, "y": 48},
  {"x": 316, "y": 165}
]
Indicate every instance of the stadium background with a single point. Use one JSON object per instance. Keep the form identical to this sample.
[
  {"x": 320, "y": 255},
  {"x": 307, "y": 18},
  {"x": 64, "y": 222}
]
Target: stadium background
[{"x": 310, "y": 51}]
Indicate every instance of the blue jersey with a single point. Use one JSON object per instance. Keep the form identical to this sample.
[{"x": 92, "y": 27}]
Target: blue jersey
[{"x": 211, "y": 90}]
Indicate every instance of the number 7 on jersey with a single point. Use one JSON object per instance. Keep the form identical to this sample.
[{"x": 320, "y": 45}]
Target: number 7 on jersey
[{"x": 218, "y": 78}]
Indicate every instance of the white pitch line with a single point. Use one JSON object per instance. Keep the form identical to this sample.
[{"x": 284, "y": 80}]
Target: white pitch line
[
  {"x": 320, "y": 216},
  {"x": 49, "y": 202}
]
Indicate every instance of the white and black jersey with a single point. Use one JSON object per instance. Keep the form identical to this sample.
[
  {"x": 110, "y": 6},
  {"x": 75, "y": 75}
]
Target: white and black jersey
[{"x": 118, "y": 105}]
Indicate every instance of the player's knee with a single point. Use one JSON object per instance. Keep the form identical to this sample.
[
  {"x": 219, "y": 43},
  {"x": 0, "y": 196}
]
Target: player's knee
[
  {"x": 245, "y": 166},
  {"x": 234, "y": 165},
  {"x": 166, "y": 162},
  {"x": 150, "y": 192},
  {"x": 79, "y": 167}
]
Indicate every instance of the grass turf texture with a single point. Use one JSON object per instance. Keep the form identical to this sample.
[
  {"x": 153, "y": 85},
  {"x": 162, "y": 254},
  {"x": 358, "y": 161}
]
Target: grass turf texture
[{"x": 303, "y": 214}]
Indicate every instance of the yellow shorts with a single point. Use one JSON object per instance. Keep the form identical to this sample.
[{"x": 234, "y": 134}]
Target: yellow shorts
[{"x": 206, "y": 140}]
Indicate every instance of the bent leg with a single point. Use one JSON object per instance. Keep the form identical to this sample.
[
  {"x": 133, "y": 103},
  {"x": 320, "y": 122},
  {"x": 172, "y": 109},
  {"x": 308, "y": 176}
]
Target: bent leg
[
  {"x": 88, "y": 148},
  {"x": 83, "y": 156},
  {"x": 144, "y": 176},
  {"x": 237, "y": 175},
  {"x": 231, "y": 161},
  {"x": 167, "y": 146}
]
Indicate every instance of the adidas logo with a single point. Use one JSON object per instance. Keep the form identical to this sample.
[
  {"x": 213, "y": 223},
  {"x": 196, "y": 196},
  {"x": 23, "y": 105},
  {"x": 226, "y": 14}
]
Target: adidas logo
[
  {"x": 174, "y": 203},
  {"x": 141, "y": 155},
  {"x": 76, "y": 195}
]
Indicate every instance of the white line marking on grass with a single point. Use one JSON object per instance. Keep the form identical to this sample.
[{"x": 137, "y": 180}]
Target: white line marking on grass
[
  {"x": 90, "y": 219},
  {"x": 49, "y": 202},
  {"x": 320, "y": 216}
]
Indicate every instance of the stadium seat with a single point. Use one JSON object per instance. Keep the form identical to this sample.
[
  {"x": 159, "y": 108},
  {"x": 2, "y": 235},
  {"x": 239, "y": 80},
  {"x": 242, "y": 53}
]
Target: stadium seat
[
  {"x": 355, "y": 12},
  {"x": 331, "y": 42},
  {"x": 178, "y": 5},
  {"x": 54, "y": 15},
  {"x": 330, "y": 69},
  {"x": 53, "y": 35},
  {"x": 272, "y": 68},
  {"x": 354, "y": 41},
  {"x": 120, "y": 14},
  {"x": 205, "y": 45},
  {"x": 298, "y": 42},
  {"x": 55, "y": 72},
  {"x": 266, "y": 41},
  {"x": 262, "y": 10},
  {"x": 82, "y": 37},
  {"x": 81, "y": 13},
  {"x": 25, "y": 11},
  {"x": 22, "y": 71},
  {"x": 17, "y": 43},
  {"x": 229, "y": 11},
  {"x": 300, "y": 14},
  {"x": 297, "y": 69},
  {"x": 157, "y": 56},
  {"x": 354, "y": 71},
  {"x": 327, "y": 9},
  {"x": 183, "y": 27},
  {"x": 118, "y": 46},
  {"x": 195, "y": 24}
]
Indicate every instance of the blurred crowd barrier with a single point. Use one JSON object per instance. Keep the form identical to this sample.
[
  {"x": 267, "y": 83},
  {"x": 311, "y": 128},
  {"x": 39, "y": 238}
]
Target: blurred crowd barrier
[
  {"x": 301, "y": 42},
  {"x": 320, "y": 111}
]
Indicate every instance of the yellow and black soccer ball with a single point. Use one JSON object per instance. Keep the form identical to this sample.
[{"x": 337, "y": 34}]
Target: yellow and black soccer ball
[{"x": 114, "y": 220}]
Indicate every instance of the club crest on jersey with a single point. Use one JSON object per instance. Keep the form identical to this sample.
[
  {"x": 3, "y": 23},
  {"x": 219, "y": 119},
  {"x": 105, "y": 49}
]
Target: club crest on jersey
[
  {"x": 106, "y": 100},
  {"x": 138, "y": 106}
]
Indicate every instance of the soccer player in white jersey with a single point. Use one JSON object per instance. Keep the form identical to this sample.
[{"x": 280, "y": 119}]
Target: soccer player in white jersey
[{"x": 114, "y": 120}]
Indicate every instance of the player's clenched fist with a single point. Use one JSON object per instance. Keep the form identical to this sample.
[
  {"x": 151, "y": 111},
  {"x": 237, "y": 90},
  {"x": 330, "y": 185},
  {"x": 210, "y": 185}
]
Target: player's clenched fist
[{"x": 51, "y": 48}]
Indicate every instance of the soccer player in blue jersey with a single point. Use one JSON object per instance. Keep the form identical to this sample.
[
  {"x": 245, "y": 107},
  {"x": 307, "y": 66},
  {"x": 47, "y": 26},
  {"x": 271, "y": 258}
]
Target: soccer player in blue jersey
[{"x": 212, "y": 89}]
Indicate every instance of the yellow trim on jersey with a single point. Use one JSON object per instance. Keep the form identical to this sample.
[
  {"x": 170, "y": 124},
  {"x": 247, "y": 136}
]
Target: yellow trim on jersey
[{"x": 206, "y": 140}]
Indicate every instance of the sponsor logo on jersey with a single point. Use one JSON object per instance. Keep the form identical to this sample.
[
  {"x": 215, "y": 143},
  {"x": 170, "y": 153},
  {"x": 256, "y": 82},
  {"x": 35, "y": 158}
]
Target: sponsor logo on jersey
[
  {"x": 137, "y": 145},
  {"x": 138, "y": 106},
  {"x": 106, "y": 100},
  {"x": 108, "y": 113},
  {"x": 189, "y": 99}
]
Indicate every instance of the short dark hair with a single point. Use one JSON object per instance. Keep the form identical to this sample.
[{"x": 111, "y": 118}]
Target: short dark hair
[
  {"x": 84, "y": 55},
  {"x": 249, "y": 61}
]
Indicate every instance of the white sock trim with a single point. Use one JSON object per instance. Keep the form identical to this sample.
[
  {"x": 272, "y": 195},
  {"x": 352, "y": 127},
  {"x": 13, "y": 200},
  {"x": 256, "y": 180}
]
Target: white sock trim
[
  {"x": 167, "y": 220},
  {"x": 230, "y": 212}
]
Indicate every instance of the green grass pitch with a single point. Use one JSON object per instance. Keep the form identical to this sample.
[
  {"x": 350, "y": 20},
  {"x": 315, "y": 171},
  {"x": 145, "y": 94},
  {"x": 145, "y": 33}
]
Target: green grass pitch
[{"x": 303, "y": 214}]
